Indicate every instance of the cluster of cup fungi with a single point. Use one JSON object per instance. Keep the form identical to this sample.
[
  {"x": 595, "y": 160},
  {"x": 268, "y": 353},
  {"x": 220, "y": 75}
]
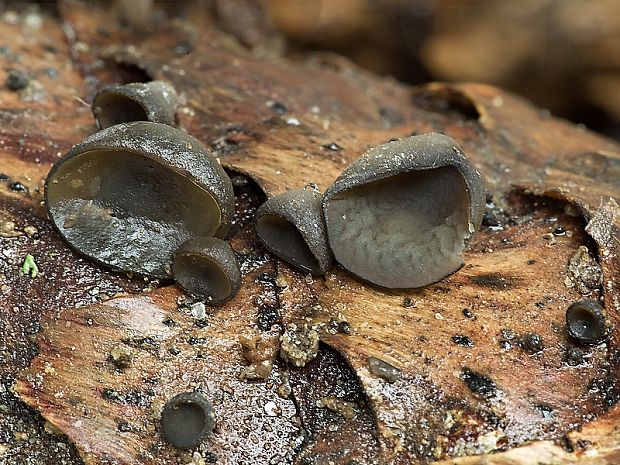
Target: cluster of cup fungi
[{"x": 143, "y": 197}]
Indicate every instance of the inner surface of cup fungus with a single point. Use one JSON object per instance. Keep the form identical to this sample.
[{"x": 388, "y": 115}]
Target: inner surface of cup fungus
[
  {"x": 207, "y": 267},
  {"x": 154, "y": 101},
  {"x": 130, "y": 195},
  {"x": 291, "y": 226},
  {"x": 186, "y": 419},
  {"x": 401, "y": 215},
  {"x": 585, "y": 320}
]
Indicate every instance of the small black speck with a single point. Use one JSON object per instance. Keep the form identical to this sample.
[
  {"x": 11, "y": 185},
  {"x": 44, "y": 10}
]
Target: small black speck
[
  {"x": 546, "y": 411},
  {"x": 279, "y": 108},
  {"x": 407, "y": 302},
  {"x": 559, "y": 231},
  {"x": 489, "y": 219},
  {"x": 192, "y": 341},
  {"x": 4, "y": 177},
  {"x": 464, "y": 341},
  {"x": 267, "y": 317},
  {"x": 202, "y": 323},
  {"x": 332, "y": 146},
  {"x": 210, "y": 457},
  {"x": 123, "y": 427},
  {"x": 174, "y": 351},
  {"x": 532, "y": 343},
  {"x": 488, "y": 197},
  {"x": 478, "y": 383},
  {"x": 18, "y": 187},
  {"x": 51, "y": 72},
  {"x": 169, "y": 322},
  {"x": 531, "y": 261},
  {"x": 16, "y": 80},
  {"x": 574, "y": 356},
  {"x": 182, "y": 48},
  {"x": 469, "y": 314}
]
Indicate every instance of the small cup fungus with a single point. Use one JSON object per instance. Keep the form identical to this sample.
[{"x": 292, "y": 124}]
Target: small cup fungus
[
  {"x": 207, "y": 268},
  {"x": 154, "y": 101},
  {"x": 186, "y": 419},
  {"x": 585, "y": 320},
  {"x": 291, "y": 226},
  {"x": 401, "y": 215},
  {"x": 128, "y": 196}
]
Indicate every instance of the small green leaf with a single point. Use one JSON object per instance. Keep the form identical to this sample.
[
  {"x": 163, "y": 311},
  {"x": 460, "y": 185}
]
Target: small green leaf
[{"x": 30, "y": 267}]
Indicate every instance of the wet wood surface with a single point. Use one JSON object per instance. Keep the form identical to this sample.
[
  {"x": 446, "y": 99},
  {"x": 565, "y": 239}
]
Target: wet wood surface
[{"x": 459, "y": 379}]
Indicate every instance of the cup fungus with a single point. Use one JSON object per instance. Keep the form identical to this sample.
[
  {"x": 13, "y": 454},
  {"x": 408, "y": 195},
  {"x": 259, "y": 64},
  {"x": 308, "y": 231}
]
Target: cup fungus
[
  {"x": 154, "y": 101},
  {"x": 186, "y": 419},
  {"x": 207, "y": 268},
  {"x": 401, "y": 215},
  {"x": 291, "y": 226},
  {"x": 130, "y": 195},
  {"x": 585, "y": 320}
]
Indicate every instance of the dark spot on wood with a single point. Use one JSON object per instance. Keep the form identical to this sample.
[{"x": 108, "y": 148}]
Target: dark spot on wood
[
  {"x": 494, "y": 281},
  {"x": 268, "y": 316},
  {"x": 18, "y": 187},
  {"x": 464, "y": 341},
  {"x": 467, "y": 313},
  {"x": 478, "y": 384}
]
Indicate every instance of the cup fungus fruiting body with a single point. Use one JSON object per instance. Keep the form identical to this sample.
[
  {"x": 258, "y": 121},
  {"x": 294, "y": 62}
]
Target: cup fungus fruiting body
[
  {"x": 585, "y": 320},
  {"x": 186, "y": 419},
  {"x": 291, "y": 226},
  {"x": 207, "y": 268},
  {"x": 128, "y": 196},
  {"x": 154, "y": 101},
  {"x": 401, "y": 215}
]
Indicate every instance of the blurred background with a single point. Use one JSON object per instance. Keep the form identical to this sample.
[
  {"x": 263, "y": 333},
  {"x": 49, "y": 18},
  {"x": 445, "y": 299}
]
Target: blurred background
[{"x": 564, "y": 55}]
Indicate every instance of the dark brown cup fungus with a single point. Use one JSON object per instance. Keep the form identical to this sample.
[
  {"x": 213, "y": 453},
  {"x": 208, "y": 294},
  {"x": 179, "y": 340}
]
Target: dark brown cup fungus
[
  {"x": 291, "y": 226},
  {"x": 401, "y": 215},
  {"x": 130, "y": 195},
  {"x": 154, "y": 101},
  {"x": 186, "y": 419},
  {"x": 207, "y": 268},
  {"x": 585, "y": 320}
]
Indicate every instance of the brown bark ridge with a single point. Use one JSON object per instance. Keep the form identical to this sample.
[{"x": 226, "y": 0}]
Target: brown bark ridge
[{"x": 449, "y": 373}]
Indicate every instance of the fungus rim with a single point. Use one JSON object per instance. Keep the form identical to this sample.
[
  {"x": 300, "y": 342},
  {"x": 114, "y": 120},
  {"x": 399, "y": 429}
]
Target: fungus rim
[
  {"x": 194, "y": 398},
  {"x": 596, "y": 312},
  {"x": 302, "y": 210},
  {"x": 157, "y": 99},
  {"x": 220, "y": 254}
]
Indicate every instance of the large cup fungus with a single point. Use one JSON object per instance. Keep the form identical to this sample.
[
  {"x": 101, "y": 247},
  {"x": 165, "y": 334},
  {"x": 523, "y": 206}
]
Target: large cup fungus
[
  {"x": 130, "y": 195},
  {"x": 401, "y": 215},
  {"x": 291, "y": 226}
]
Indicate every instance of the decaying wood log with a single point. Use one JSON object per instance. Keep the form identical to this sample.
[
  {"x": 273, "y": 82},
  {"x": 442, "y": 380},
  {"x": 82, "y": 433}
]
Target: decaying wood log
[{"x": 448, "y": 373}]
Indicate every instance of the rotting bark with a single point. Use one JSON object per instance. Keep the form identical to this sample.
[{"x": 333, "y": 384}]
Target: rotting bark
[{"x": 276, "y": 122}]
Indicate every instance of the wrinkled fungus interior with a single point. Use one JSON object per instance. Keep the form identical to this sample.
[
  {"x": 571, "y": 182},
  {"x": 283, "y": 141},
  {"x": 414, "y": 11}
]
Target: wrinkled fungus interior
[
  {"x": 284, "y": 238},
  {"x": 403, "y": 231},
  {"x": 113, "y": 108},
  {"x": 184, "y": 424},
  {"x": 202, "y": 277},
  {"x": 128, "y": 210}
]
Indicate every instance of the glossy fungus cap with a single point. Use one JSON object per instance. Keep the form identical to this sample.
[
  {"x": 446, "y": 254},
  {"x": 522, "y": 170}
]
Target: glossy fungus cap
[
  {"x": 207, "y": 268},
  {"x": 291, "y": 226},
  {"x": 401, "y": 215},
  {"x": 128, "y": 196},
  {"x": 154, "y": 101}
]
